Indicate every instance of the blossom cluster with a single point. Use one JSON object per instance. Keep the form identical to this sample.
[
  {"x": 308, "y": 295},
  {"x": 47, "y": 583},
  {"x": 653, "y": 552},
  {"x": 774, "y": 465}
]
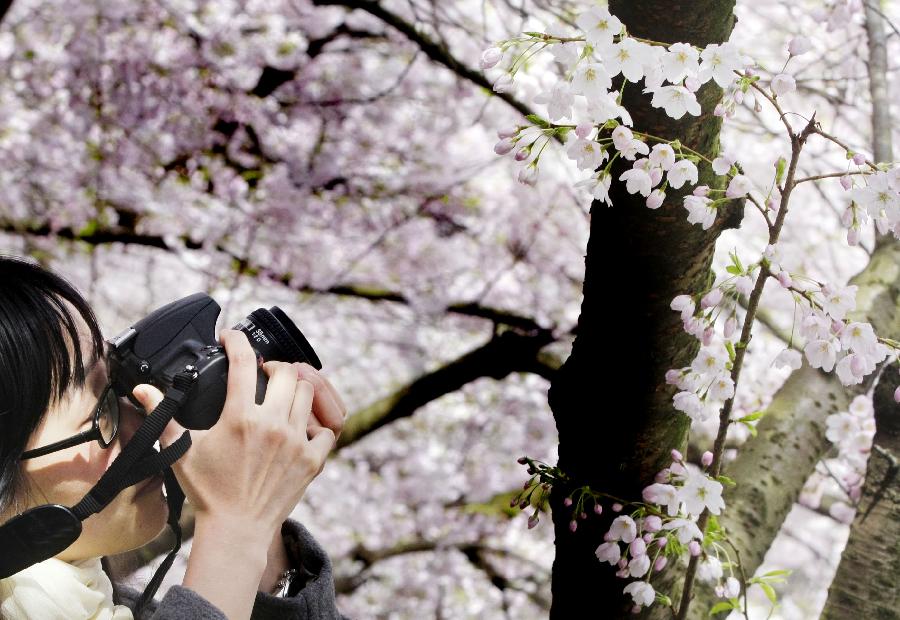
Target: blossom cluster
[
  {"x": 876, "y": 196},
  {"x": 672, "y": 75},
  {"x": 663, "y": 527}
]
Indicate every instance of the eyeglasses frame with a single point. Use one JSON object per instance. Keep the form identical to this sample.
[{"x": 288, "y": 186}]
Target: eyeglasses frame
[{"x": 85, "y": 436}]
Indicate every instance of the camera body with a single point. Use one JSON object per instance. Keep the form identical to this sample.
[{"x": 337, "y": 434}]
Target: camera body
[{"x": 181, "y": 334}]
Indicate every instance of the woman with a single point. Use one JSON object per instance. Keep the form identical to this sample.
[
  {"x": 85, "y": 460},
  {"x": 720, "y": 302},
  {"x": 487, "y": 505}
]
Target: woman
[{"x": 243, "y": 476}]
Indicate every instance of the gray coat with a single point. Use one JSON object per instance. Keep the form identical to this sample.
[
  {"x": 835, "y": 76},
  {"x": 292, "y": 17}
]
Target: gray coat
[{"x": 310, "y": 596}]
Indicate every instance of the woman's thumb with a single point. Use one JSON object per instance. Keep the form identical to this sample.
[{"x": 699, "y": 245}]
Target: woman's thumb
[{"x": 150, "y": 397}]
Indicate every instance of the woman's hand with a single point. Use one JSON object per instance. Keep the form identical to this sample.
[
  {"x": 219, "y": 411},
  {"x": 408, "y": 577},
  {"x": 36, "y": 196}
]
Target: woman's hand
[{"x": 245, "y": 474}]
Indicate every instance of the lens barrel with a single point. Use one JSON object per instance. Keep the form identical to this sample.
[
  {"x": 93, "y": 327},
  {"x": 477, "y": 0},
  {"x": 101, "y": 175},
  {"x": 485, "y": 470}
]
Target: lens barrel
[{"x": 276, "y": 337}]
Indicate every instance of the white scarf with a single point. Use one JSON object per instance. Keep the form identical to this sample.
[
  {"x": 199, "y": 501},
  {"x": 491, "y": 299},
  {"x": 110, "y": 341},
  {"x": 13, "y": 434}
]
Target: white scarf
[{"x": 57, "y": 590}]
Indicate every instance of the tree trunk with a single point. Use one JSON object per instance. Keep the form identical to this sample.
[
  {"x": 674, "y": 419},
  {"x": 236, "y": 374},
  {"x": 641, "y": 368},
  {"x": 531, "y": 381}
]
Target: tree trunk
[
  {"x": 867, "y": 584},
  {"x": 771, "y": 469},
  {"x": 637, "y": 261}
]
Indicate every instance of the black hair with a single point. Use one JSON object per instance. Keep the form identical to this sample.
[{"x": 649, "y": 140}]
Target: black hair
[{"x": 40, "y": 357}]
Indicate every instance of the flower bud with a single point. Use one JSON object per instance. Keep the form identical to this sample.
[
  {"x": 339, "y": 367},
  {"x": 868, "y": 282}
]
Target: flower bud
[
  {"x": 490, "y": 57},
  {"x": 504, "y": 146},
  {"x": 701, "y": 190},
  {"x": 637, "y": 547},
  {"x": 695, "y": 548},
  {"x": 617, "y": 507},
  {"x": 853, "y": 237},
  {"x": 533, "y": 520},
  {"x": 798, "y": 45},
  {"x": 719, "y": 111},
  {"x": 660, "y": 563},
  {"x": 582, "y": 515},
  {"x": 573, "y": 525},
  {"x": 648, "y": 537},
  {"x": 707, "y": 458},
  {"x": 598, "y": 509},
  {"x": 730, "y": 326},
  {"x": 846, "y": 181},
  {"x": 859, "y": 159},
  {"x": 522, "y": 154},
  {"x": 677, "y": 456},
  {"x": 567, "y": 502},
  {"x": 712, "y": 298},
  {"x": 652, "y": 523},
  {"x": 897, "y": 395},
  {"x": 661, "y": 542}
]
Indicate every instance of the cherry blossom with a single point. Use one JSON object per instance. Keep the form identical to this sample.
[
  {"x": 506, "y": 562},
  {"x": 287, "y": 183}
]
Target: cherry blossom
[
  {"x": 642, "y": 593},
  {"x": 676, "y": 100},
  {"x": 599, "y": 26}
]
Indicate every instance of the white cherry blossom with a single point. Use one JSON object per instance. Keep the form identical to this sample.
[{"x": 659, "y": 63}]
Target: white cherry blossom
[
  {"x": 822, "y": 353},
  {"x": 680, "y": 62},
  {"x": 700, "y": 492},
  {"x": 623, "y": 528},
  {"x": 608, "y": 552},
  {"x": 719, "y": 62},
  {"x": 637, "y": 181},
  {"x": 684, "y": 171},
  {"x": 700, "y": 211},
  {"x": 599, "y": 26},
  {"x": 628, "y": 57},
  {"x": 591, "y": 80},
  {"x": 642, "y": 593},
  {"x": 676, "y": 101},
  {"x": 588, "y": 155}
]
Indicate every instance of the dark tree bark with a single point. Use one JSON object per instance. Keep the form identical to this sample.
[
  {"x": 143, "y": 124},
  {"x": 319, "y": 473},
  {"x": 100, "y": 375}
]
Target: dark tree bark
[
  {"x": 612, "y": 407},
  {"x": 866, "y": 584}
]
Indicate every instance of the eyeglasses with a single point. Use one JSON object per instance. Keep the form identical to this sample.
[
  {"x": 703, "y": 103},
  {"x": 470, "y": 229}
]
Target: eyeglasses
[{"x": 104, "y": 428}]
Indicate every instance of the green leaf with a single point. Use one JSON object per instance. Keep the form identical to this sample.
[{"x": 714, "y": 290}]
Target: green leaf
[
  {"x": 751, "y": 428},
  {"x": 720, "y": 607},
  {"x": 777, "y": 573},
  {"x": 751, "y": 417},
  {"x": 733, "y": 270},
  {"x": 780, "y": 167},
  {"x": 730, "y": 348},
  {"x": 726, "y": 480},
  {"x": 769, "y": 590},
  {"x": 537, "y": 120}
]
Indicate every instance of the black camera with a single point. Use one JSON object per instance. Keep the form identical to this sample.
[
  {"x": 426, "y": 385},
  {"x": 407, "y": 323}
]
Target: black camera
[{"x": 181, "y": 334}]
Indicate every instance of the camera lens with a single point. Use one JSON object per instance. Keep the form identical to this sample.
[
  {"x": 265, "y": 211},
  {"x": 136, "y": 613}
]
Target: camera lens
[{"x": 276, "y": 337}]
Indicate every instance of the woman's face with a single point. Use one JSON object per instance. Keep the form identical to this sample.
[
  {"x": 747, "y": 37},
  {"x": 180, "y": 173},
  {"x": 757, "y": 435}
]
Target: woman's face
[{"x": 137, "y": 514}]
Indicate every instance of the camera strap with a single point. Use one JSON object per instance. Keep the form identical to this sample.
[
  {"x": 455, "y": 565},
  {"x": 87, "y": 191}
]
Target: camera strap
[{"x": 44, "y": 531}]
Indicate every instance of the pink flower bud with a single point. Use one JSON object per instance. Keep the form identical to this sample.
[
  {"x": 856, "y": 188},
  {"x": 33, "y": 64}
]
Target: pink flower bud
[
  {"x": 798, "y": 45},
  {"x": 598, "y": 509},
  {"x": 490, "y": 57},
  {"x": 859, "y": 159},
  {"x": 637, "y": 547},
  {"x": 504, "y": 146},
  {"x": 853, "y": 237},
  {"x": 784, "y": 278},
  {"x": 636, "y": 609},
  {"x": 648, "y": 537},
  {"x": 623, "y": 563},
  {"x": 661, "y": 542},
  {"x": 846, "y": 181},
  {"x": 582, "y": 515},
  {"x": 617, "y": 507},
  {"x": 730, "y": 326},
  {"x": 677, "y": 456},
  {"x": 673, "y": 377},
  {"x": 652, "y": 523},
  {"x": 507, "y": 132},
  {"x": 522, "y": 154},
  {"x": 739, "y": 97},
  {"x": 655, "y": 199},
  {"x": 608, "y": 537},
  {"x": 583, "y": 130},
  {"x": 573, "y": 525},
  {"x": 567, "y": 502},
  {"x": 695, "y": 548},
  {"x": 773, "y": 202},
  {"x": 663, "y": 475},
  {"x": 707, "y": 458},
  {"x": 622, "y": 574},
  {"x": 656, "y": 175},
  {"x": 712, "y": 298},
  {"x": 701, "y": 190},
  {"x": 897, "y": 394},
  {"x": 660, "y": 563},
  {"x": 708, "y": 335},
  {"x": 847, "y": 217},
  {"x": 719, "y": 111}
]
